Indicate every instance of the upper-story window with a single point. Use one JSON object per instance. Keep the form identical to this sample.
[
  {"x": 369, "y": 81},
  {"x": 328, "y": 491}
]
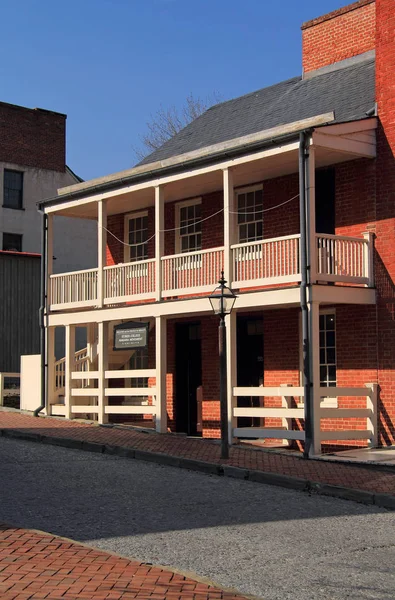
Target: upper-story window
[
  {"x": 12, "y": 242},
  {"x": 13, "y": 189},
  {"x": 136, "y": 227},
  {"x": 250, "y": 215},
  {"x": 189, "y": 226}
]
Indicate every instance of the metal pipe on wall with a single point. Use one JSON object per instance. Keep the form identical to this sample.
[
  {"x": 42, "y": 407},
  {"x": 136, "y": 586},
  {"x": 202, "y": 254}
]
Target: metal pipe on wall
[{"x": 43, "y": 296}]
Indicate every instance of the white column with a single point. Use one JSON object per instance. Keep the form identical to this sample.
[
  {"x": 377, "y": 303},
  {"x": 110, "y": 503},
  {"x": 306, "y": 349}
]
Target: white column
[
  {"x": 369, "y": 257},
  {"x": 102, "y": 417},
  {"x": 373, "y": 420},
  {"x": 49, "y": 270},
  {"x": 161, "y": 370},
  {"x": 229, "y": 223},
  {"x": 101, "y": 249},
  {"x": 311, "y": 233},
  {"x": 314, "y": 317},
  {"x": 159, "y": 239},
  {"x": 51, "y": 367},
  {"x": 231, "y": 367},
  {"x": 69, "y": 368}
]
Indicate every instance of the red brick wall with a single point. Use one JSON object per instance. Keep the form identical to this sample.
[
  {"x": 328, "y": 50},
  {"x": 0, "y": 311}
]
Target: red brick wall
[
  {"x": 385, "y": 228},
  {"x": 355, "y": 205},
  {"x": 341, "y": 34},
  {"x": 32, "y": 137}
]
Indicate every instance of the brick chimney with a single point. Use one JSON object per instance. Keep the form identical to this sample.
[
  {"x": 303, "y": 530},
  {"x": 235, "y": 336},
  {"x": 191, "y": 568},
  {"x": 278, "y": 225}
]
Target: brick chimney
[{"x": 338, "y": 35}]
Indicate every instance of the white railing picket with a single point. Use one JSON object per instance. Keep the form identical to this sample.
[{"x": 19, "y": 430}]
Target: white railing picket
[
  {"x": 191, "y": 271},
  {"x": 131, "y": 279},
  {"x": 342, "y": 258}
]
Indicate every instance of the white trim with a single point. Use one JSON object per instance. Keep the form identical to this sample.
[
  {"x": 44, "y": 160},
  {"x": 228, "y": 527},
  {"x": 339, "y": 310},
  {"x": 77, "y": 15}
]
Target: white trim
[
  {"x": 249, "y": 188},
  {"x": 178, "y": 206},
  {"x": 126, "y": 249}
]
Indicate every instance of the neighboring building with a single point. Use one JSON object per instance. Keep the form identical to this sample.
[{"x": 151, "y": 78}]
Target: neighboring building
[
  {"x": 33, "y": 167},
  {"x": 223, "y": 193}
]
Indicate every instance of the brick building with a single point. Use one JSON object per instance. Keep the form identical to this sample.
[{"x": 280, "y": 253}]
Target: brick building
[
  {"x": 289, "y": 188},
  {"x": 33, "y": 167}
]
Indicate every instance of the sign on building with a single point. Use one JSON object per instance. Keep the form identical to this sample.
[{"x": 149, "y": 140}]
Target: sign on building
[{"x": 130, "y": 335}]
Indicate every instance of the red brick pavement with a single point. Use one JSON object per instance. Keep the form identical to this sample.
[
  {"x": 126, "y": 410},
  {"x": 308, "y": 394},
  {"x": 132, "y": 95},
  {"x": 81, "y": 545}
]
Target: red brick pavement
[
  {"x": 345, "y": 475},
  {"x": 35, "y": 565}
]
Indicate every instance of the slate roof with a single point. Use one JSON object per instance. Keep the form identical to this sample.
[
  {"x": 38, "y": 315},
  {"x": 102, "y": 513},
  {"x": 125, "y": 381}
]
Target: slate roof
[{"x": 348, "y": 91}]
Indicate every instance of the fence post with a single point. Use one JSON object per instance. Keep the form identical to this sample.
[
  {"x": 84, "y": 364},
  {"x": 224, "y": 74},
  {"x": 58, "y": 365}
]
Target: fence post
[
  {"x": 373, "y": 420},
  {"x": 369, "y": 257},
  {"x": 286, "y": 402}
]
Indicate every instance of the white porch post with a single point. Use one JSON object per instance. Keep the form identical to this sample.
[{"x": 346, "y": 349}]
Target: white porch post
[
  {"x": 159, "y": 239},
  {"x": 69, "y": 368},
  {"x": 373, "y": 420},
  {"x": 229, "y": 223},
  {"x": 161, "y": 370},
  {"x": 314, "y": 315},
  {"x": 101, "y": 249},
  {"x": 231, "y": 366},
  {"x": 51, "y": 367},
  {"x": 369, "y": 257},
  {"x": 311, "y": 232},
  {"x": 102, "y": 417}
]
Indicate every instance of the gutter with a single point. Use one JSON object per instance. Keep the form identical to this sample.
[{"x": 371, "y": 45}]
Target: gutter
[
  {"x": 304, "y": 285},
  {"x": 44, "y": 379},
  {"x": 170, "y": 170}
]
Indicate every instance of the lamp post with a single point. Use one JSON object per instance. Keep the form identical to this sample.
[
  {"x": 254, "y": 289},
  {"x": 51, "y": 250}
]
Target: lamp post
[{"x": 222, "y": 301}]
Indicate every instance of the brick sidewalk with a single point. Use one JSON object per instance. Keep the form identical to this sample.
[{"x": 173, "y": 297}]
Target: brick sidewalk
[
  {"x": 365, "y": 479},
  {"x": 34, "y": 566}
]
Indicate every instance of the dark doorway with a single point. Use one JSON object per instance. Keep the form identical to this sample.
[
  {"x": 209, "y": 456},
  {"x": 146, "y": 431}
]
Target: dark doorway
[
  {"x": 249, "y": 363},
  {"x": 188, "y": 376},
  {"x": 325, "y": 191}
]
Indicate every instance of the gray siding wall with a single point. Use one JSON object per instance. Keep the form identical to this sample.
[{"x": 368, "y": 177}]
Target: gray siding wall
[{"x": 19, "y": 309}]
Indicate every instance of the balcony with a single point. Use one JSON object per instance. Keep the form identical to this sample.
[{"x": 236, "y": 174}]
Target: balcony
[{"x": 265, "y": 263}]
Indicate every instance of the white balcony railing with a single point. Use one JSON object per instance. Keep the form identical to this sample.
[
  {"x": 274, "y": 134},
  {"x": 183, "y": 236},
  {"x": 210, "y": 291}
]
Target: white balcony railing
[
  {"x": 191, "y": 272},
  {"x": 274, "y": 260},
  {"x": 267, "y": 262},
  {"x": 131, "y": 280},
  {"x": 78, "y": 288},
  {"x": 342, "y": 259}
]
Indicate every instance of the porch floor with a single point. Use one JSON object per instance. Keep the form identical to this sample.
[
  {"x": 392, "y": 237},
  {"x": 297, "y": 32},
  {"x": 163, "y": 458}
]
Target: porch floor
[
  {"x": 371, "y": 456},
  {"x": 322, "y": 471}
]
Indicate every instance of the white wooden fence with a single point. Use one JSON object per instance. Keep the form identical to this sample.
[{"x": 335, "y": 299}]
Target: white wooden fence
[
  {"x": 266, "y": 262},
  {"x": 288, "y": 413},
  {"x": 77, "y": 288},
  {"x": 124, "y": 281},
  {"x": 274, "y": 260},
  {"x": 191, "y": 271},
  {"x": 343, "y": 259}
]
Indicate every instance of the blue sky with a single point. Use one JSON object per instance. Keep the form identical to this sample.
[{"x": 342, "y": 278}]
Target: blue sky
[{"x": 109, "y": 64}]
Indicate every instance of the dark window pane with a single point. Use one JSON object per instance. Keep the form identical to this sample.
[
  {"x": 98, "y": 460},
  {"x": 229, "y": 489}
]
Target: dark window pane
[
  {"x": 323, "y": 374},
  {"x": 322, "y": 339},
  {"x": 322, "y": 322},
  {"x": 259, "y": 229},
  {"x": 332, "y": 373},
  {"x": 322, "y": 356},
  {"x": 13, "y": 189},
  {"x": 331, "y": 356},
  {"x": 12, "y": 242},
  {"x": 330, "y": 322},
  {"x": 330, "y": 338}
]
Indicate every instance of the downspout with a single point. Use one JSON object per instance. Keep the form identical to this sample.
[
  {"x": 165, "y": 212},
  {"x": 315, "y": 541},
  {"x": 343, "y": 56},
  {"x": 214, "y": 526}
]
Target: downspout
[
  {"x": 42, "y": 314},
  {"x": 303, "y": 295}
]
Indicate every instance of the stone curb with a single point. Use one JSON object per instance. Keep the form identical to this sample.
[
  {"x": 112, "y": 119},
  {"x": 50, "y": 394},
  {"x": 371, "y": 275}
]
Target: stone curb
[{"x": 364, "y": 497}]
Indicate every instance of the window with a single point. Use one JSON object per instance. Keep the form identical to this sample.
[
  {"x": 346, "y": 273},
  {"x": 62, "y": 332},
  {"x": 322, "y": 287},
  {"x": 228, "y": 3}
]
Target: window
[
  {"x": 250, "y": 215},
  {"x": 12, "y": 242},
  {"x": 189, "y": 234},
  {"x": 328, "y": 349},
  {"x": 13, "y": 189},
  {"x": 136, "y": 236},
  {"x": 139, "y": 360}
]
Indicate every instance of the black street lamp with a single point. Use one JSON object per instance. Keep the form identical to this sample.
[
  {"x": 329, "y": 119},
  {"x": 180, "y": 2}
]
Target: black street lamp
[{"x": 222, "y": 300}]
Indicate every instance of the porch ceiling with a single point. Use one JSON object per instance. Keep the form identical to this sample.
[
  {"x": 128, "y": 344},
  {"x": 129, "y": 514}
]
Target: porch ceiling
[{"x": 333, "y": 144}]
